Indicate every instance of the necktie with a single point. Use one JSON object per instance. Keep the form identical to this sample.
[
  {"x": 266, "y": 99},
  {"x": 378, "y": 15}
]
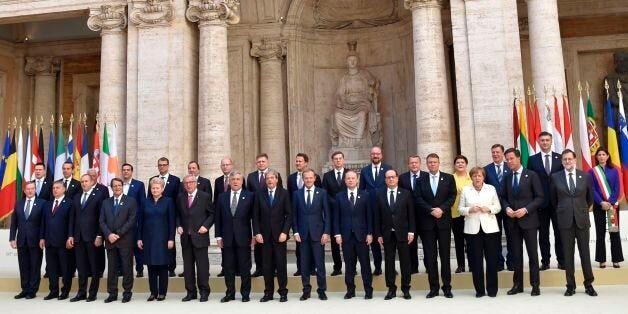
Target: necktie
[
  {"x": 572, "y": 184},
  {"x": 54, "y": 208},
  {"x": 375, "y": 174},
  {"x": 391, "y": 200},
  {"x": 338, "y": 178},
  {"x": 308, "y": 201},
  {"x": 413, "y": 183},
  {"x": 262, "y": 180},
  {"x": 190, "y": 200},
  {"x": 27, "y": 210},
  {"x": 352, "y": 199},
  {"x": 548, "y": 169},
  {"x": 234, "y": 203},
  {"x": 84, "y": 199},
  {"x": 515, "y": 182},
  {"x": 65, "y": 183},
  {"x": 116, "y": 202},
  {"x": 38, "y": 187},
  {"x": 500, "y": 174},
  {"x": 164, "y": 178},
  {"x": 434, "y": 184},
  {"x": 225, "y": 183},
  {"x": 270, "y": 197},
  {"x": 299, "y": 180}
]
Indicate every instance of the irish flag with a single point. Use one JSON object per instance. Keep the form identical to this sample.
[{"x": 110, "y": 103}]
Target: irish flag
[
  {"x": 61, "y": 158},
  {"x": 109, "y": 157}
]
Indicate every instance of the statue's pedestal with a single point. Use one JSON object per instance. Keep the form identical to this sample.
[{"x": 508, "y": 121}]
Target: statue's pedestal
[{"x": 355, "y": 158}]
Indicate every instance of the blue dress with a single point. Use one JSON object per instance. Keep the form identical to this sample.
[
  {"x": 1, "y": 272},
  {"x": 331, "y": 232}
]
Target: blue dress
[{"x": 157, "y": 227}]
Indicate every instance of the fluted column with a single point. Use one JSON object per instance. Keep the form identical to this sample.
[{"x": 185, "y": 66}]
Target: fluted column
[
  {"x": 546, "y": 51},
  {"x": 45, "y": 70},
  {"x": 111, "y": 21},
  {"x": 433, "y": 111},
  {"x": 214, "y": 136},
  {"x": 270, "y": 53}
]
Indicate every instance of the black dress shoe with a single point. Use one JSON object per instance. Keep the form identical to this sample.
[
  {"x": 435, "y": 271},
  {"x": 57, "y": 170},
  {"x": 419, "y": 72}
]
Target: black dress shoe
[
  {"x": 479, "y": 294},
  {"x": 349, "y": 295},
  {"x": 390, "y": 295},
  {"x": 221, "y": 273},
  {"x": 91, "y": 298},
  {"x": 406, "y": 295},
  {"x": 161, "y": 297},
  {"x": 181, "y": 275},
  {"x": 368, "y": 295},
  {"x": 51, "y": 296},
  {"x": 561, "y": 266},
  {"x": 336, "y": 272},
  {"x": 111, "y": 298},
  {"x": 204, "y": 297},
  {"x": 590, "y": 291},
  {"x": 569, "y": 292},
  {"x": 447, "y": 293},
  {"x": 46, "y": 275},
  {"x": 616, "y": 265},
  {"x": 514, "y": 290},
  {"x": 78, "y": 298},
  {"x": 297, "y": 273},
  {"x": 227, "y": 298},
  {"x": 492, "y": 295},
  {"x": 377, "y": 272},
  {"x": 257, "y": 273},
  {"x": 63, "y": 296},
  {"x": 322, "y": 296},
  {"x": 414, "y": 271},
  {"x": 500, "y": 267},
  {"x": 510, "y": 268},
  {"x": 140, "y": 274},
  {"x": 246, "y": 299},
  {"x": 266, "y": 298},
  {"x": 171, "y": 274},
  {"x": 460, "y": 270},
  {"x": 544, "y": 267},
  {"x": 189, "y": 297},
  {"x": 304, "y": 296},
  {"x": 126, "y": 299},
  {"x": 30, "y": 296},
  {"x": 535, "y": 291},
  {"x": 283, "y": 298},
  {"x": 151, "y": 297},
  {"x": 20, "y": 295},
  {"x": 313, "y": 273},
  {"x": 432, "y": 294}
]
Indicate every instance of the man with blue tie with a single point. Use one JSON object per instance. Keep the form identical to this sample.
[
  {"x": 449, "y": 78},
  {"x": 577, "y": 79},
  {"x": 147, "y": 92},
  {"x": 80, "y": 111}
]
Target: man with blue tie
[
  {"x": 496, "y": 171},
  {"x": 24, "y": 236},
  {"x": 171, "y": 190},
  {"x": 408, "y": 180},
  {"x": 353, "y": 230},
  {"x": 311, "y": 226},
  {"x": 57, "y": 219},
  {"x": 135, "y": 189},
  {"x": 43, "y": 185},
  {"x": 371, "y": 180}
]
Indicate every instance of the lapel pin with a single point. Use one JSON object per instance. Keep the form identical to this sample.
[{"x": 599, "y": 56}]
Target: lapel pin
[
  {"x": 579, "y": 177},
  {"x": 243, "y": 197},
  {"x": 131, "y": 185},
  {"x": 121, "y": 203},
  {"x": 316, "y": 192},
  {"x": 526, "y": 175},
  {"x": 398, "y": 192},
  {"x": 358, "y": 196}
]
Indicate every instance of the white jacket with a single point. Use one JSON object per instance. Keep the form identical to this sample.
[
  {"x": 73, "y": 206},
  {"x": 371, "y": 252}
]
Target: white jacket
[{"x": 487, "y": 197}]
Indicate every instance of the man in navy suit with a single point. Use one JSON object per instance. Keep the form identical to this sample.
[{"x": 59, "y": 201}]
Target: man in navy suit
[
  {"x": 272, "y": 219},
  {"x": 202, "y": 183},
  {"x": 295, "y": 183},
  {"x": 43, "y": 186},
  {"x": 545, "y": 163},
  {"x": 371, "y": 180},
  {"x": 496, "y": 171},
  {"x": 26, "y": 225},
  {"x": 72, "y": 186},
  {"x": 103, "y": 192},
  {"x": 57, "y": 221},
  {"x": 171, "y": 190},
  {"x": 311, "y": 226},
  {"x": 407, "y": 181},
  {"x": 234, "y": 236},
  {"x": 333, "y": 183},
  {"x": 353, "y": 230},
  {"x": 135, "y": 189}
]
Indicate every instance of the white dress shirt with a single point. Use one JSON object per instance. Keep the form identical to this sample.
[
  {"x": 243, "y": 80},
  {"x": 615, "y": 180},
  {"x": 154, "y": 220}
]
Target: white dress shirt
[{"x": 567, "y": 172}]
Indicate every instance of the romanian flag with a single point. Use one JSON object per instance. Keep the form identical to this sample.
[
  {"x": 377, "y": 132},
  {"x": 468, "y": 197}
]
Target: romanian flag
[
  {"x": 8, "y": 191},
  {"x": 567, "y": 135},
  {"x": 613, "y": 147},
  {"x": 523, "y": 141},
  {"x": 76, "y": 154}
]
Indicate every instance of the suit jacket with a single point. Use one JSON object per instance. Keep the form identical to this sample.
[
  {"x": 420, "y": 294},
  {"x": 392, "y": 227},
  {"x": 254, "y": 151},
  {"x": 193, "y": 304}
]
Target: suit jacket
[
  {"x": 399, "y": 217},
  {"x": 46, "y": 190},
  {"x": 201, "y": 213},
  {"x": 529, "y": 195},
  {"x": 137, "y": 191},
  {"x": 492, "y": 179},
  {"x": 219, "y": 188},
  {"x": 313, "y": 220},
  {"x": 404, "y": 179},
  {"x": 253, "y": 185},
  {"x": 71, "y": 190},
  {"x": 104, "y": 191},
  {"x": 173, "y": 186},
  {"x": 425, "y": 200},
  {"x": 87, "y": 219},
  {"x": 292, "y": 183},
  {"x": 366, "y": 178},
  {"x": 56, "y": 227},
  {"x": 235, "y": 230},
  {"x": 572, "y": 207},
  {"x": 353, "y": 219},
  {"x": 537, "y": 164},
  {"x": 122, "y": 223},
  {"x": 202, "y": 184},
  {"x": 28, "y": 230},
  {"x": 331, "y": 185},
  {"x": 272, "y": 220}
]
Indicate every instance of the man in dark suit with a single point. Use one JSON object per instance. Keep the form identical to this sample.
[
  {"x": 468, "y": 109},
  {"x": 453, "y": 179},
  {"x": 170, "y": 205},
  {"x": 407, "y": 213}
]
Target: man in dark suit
[
  {"x": 434, "y": 196},
  {"x": 202, "y": 183},
  {"x": 353, "y": 230},
  {"x": 311, "y": 228},
  {"x": 255, "y": 181},
  {"x": 295, "y": 183},
  {"x": 272, "y": 219},
  {"x": 117, "y": 223},
  {"x": 57, "y": 220},
  {"x": 495, "y": 173},
  {"x": 522, "y": 198},
  {"x": 171, "y": 190},
  {"x": 43, "y": 186},
  {"x": 372, "y": 179},
  {"x": 545, "y": 163},
  {"x": 195, "y": 215},
  {"x": 135, "y": 189},
  {"x": 86, "y": 238},
  {"x": 333, "y": 182},
  {"x": 394, "y": 228},
  {"x": 234, "y": 236},
  {"x": 103, "y": 192},
  {"x": 24, "y": 236},
  {"x": 572, "y": 196},
  {"x": 72, "y": 186},
  {"x": 408, "y": 180}
]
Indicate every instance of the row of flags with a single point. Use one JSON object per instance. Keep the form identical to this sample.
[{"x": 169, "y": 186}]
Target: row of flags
[{"x": 18, "y": 161}]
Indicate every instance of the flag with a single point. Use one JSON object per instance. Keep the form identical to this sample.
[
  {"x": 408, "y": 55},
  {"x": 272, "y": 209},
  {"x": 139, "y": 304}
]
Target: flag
[
  {"x": 515, "y": 123},
  {"x": 5, "y": 154},
  {"x": 76, "y": 154},
  {"x": 50, "y": 168},
  {"x": 28, "y": 158},
  {"x": 104, "y": 158},
  {"x": 523, "y": 142},
  {"x": 559, "y": 145},
  {"x": 41, "y": 145},
  {"x": 112, "y": 165},
  {"x": 623, "y": 141},
  {"x": 594, "y": 139},
  {"x": 8, "y": 191},
  {"x": 613, "y": 147},
  {"x": 96, "y": 156},
  {"x": 69, "y": 151},
  {"x": 583, "y": 133},
  {"x": 84, "y": 152},
  {"x": 61, "y": 157},
  {"x": 537, "y": 127},
  {"x": 567, "y": 136},
  {"x": 547, "y": 116},
  {"x": 530, "y": 128},
  {"x": 19, "y": 179},
  {"x": 35, "y": 157}
]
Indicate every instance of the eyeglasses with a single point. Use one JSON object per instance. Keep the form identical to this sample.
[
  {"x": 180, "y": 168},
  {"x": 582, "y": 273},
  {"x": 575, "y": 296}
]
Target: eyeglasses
[{"x": 162, "y": 165}]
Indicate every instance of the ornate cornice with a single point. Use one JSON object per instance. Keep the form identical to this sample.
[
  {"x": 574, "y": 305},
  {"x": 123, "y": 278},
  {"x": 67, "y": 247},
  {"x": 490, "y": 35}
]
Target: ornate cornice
[
  {"x": 212, "y": 12},
  {"x": 107, "y": 18},
  {"x": 42, "y": 65},
  {"x": 269, "y": 49},
  {"x": 419, "y": 4},
  {"x": 148, "y": 13}
]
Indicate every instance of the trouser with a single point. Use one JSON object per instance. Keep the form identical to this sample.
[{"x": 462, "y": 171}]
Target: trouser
[
  {"x": 88, "y": 262},
  {"x": 196, "y": 269},
  {"x": 398, "y": 244},
  {"x": 158, "y": 279},
  {"x": 243, "y": 255},
  {"x": 457, "y": 227},
  {"x": 482, "y": 247},
  {"x": 274, "y": 257},
  {"x": 437, "y": 242},
  {"x": 569, "y": 236},
  {"x": 520, "y": 235},
  {"x": 125, "y": 256},
  {"x": 599, "y": 216},
  {"x": 57, "y": 263},
  {"x": 503, "y": 226},
  {"x": 353, "y": 250},
  {"x": 29, "y": 259},
  {"x": 547, "y": 216},
  {"x": 312, "y": 249}
]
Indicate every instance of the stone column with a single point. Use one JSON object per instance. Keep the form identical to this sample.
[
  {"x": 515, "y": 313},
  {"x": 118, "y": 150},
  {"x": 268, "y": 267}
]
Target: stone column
[
  {"x": 214, "y": 133},
  {"x": 44, "y": 69},
  {"x": 270, "y": 53},
  {"x": 111, "y": 21},
  {"x": 434, "y": 116},
  {"x": 546, "y": 51}
]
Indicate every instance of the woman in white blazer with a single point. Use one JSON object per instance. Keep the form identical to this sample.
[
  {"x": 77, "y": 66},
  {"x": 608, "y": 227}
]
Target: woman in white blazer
[{"x": 479, "y": 204}]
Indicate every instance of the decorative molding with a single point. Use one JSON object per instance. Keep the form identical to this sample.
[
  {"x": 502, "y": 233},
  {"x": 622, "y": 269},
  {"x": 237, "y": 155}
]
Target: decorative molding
[
  {"x": 42, "y": 65},
  {"x": 339, "y": 14},
  {"x": 269, "y": 49},
  {"x": 107, "y": 18},
  {"x": 149, "y": 13},
  {"x": 213, "y": 12},
  {"x": 420, "y": 4}
]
